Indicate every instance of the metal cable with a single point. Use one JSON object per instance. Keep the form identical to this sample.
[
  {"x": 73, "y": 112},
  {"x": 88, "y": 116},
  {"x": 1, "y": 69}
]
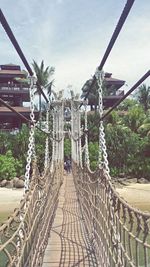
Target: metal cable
[
  {"x": 13, "y": 110},
  {"x": 18, "y": 49},
  {"x": 143, "y": 78},
  {"x": 113, "y": 39}
]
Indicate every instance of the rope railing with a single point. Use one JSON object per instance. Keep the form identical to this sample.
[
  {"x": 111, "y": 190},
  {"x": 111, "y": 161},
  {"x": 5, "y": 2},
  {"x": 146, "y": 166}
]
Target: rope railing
[
  {"x": 120, "y": 234},
  {"x": 24, "y": 236}
]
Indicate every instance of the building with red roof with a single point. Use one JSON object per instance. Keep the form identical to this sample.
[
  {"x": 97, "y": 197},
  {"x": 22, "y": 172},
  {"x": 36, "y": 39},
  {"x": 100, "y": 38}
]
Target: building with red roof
[{"x": 14, "y": 89}]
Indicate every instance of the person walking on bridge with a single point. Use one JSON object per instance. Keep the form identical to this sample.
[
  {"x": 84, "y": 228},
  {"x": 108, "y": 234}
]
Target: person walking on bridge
[{"x": 68, "y": 165}]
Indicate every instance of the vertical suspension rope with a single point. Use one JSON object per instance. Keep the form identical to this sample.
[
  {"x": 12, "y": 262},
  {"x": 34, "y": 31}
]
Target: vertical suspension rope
[
  {"x": 57, "y": 135},
  {"x": 46, "y": 162},
  {"x": 53, "y": 143},
  {"x": 103, "y": 161},
  {"x": 72, "y": 132},
  {"x": 80, "y": 134},
  {"x": 62, "y": 132},
  {"x": 31, "y": 145},
  {"x": 87, "y": 162},
  {"x": 76, "y": 136},
  {"x": 75, "y": 132}
]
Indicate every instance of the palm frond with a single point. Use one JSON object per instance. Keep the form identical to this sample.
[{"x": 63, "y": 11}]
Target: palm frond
[{"x": 49, "y": 87}]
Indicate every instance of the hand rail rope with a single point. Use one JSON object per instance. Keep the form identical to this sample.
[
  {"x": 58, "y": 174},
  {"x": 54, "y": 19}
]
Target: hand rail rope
[
  {"x": 119, "y": 233},
  {"x": 20, "y": 241}
]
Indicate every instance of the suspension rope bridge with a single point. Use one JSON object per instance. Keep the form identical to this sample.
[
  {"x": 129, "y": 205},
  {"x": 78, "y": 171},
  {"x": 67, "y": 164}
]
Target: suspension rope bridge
[{"x": 78, "y": 219}]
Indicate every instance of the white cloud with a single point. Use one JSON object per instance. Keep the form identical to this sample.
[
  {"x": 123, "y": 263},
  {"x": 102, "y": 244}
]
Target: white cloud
[
  {"x": 76, "y": 44},
  {"x": 128, "y": 60}
]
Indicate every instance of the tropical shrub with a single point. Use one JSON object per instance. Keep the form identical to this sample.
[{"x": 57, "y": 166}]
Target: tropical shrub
[
  {"x": 128, "y": 147},
  {"x": 67, "y": 148},
  {"x": 93, "y": 155},
  {"x": 9, "y": 166}
]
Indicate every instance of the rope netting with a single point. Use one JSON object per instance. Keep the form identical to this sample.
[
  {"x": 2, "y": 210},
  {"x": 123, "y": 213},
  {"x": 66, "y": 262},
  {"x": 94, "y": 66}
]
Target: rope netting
[
  {"x": 119, "y": 233},
  {"x": 24, "y": 236}
]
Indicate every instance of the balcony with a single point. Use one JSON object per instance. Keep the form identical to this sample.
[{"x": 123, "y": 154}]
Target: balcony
[
  {"x": 9, "y": 91},
  {"x": 13, "y": 87}
]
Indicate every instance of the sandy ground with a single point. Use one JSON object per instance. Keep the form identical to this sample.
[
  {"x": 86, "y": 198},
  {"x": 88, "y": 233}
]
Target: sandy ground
[
  {"x": 138, "y": 195},
  {"x": 9, "y": 200}
]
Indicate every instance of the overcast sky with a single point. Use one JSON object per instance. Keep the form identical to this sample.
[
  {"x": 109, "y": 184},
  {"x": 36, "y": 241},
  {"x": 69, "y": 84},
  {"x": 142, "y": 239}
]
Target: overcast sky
[{"x": 72, "y": 36}]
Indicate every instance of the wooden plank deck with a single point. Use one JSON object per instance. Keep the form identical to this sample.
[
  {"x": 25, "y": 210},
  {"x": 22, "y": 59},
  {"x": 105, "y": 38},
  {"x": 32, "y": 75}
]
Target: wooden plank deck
[{"x": 68, "y": 245}]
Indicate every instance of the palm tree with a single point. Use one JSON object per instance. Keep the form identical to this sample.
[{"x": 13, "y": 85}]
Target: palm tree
[
  {"x": 144, "y": 128},
  {"x": 134, "y": 118},
  {"x": 92, "y": 95},
  {"x": 43, "y": 74},
  {"x": 143, "y": 96}
]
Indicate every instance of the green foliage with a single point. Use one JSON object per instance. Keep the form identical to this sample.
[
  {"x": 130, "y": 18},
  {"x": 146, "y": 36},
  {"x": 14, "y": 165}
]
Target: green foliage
[
  {"x": 143, "y": 96},
  {"x": 43, "y": 75},
  {"x": 127, "y": 140},
  {"x": 93, "y": 122},
  {"x": 40, "y": 138},
  {"x": 16, "y": 145},
  {"x": 8, "y": 166},
  {"x": 67, "y": 148},
  {"x": 14, "y": 149},
  {"x": 127, "y": 104},
  {"x": 92, "y": 95},
  {"x": 123, "y": 147},
  {"x": 114, "y": 171},
  {"x": 19, "y": 144},
  {"x": 144, "y": 129},
  {"x": 114, "y": 118},
  {"x": 5, "y": 142},
  {"x": 93, "y": 155},
  {"x": 134, "y": 118}
]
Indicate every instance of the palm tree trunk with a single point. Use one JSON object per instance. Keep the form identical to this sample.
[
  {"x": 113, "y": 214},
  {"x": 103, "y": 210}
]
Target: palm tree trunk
[{"x": 40, "y": 106}]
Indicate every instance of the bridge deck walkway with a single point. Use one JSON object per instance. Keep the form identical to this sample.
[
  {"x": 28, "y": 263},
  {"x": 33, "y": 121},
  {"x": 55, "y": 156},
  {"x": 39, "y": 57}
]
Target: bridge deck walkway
[{"x": 68, "y": 244}]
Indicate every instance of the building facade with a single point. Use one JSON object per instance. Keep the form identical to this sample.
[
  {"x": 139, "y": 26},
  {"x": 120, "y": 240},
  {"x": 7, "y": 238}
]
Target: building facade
[
  {"x": 14, "y": 90},
  {"x": 111, "y": 91}
]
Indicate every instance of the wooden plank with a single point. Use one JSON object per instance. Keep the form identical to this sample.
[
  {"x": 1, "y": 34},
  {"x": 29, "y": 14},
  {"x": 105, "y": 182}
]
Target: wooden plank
[{"x": 68, "y": 245}]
